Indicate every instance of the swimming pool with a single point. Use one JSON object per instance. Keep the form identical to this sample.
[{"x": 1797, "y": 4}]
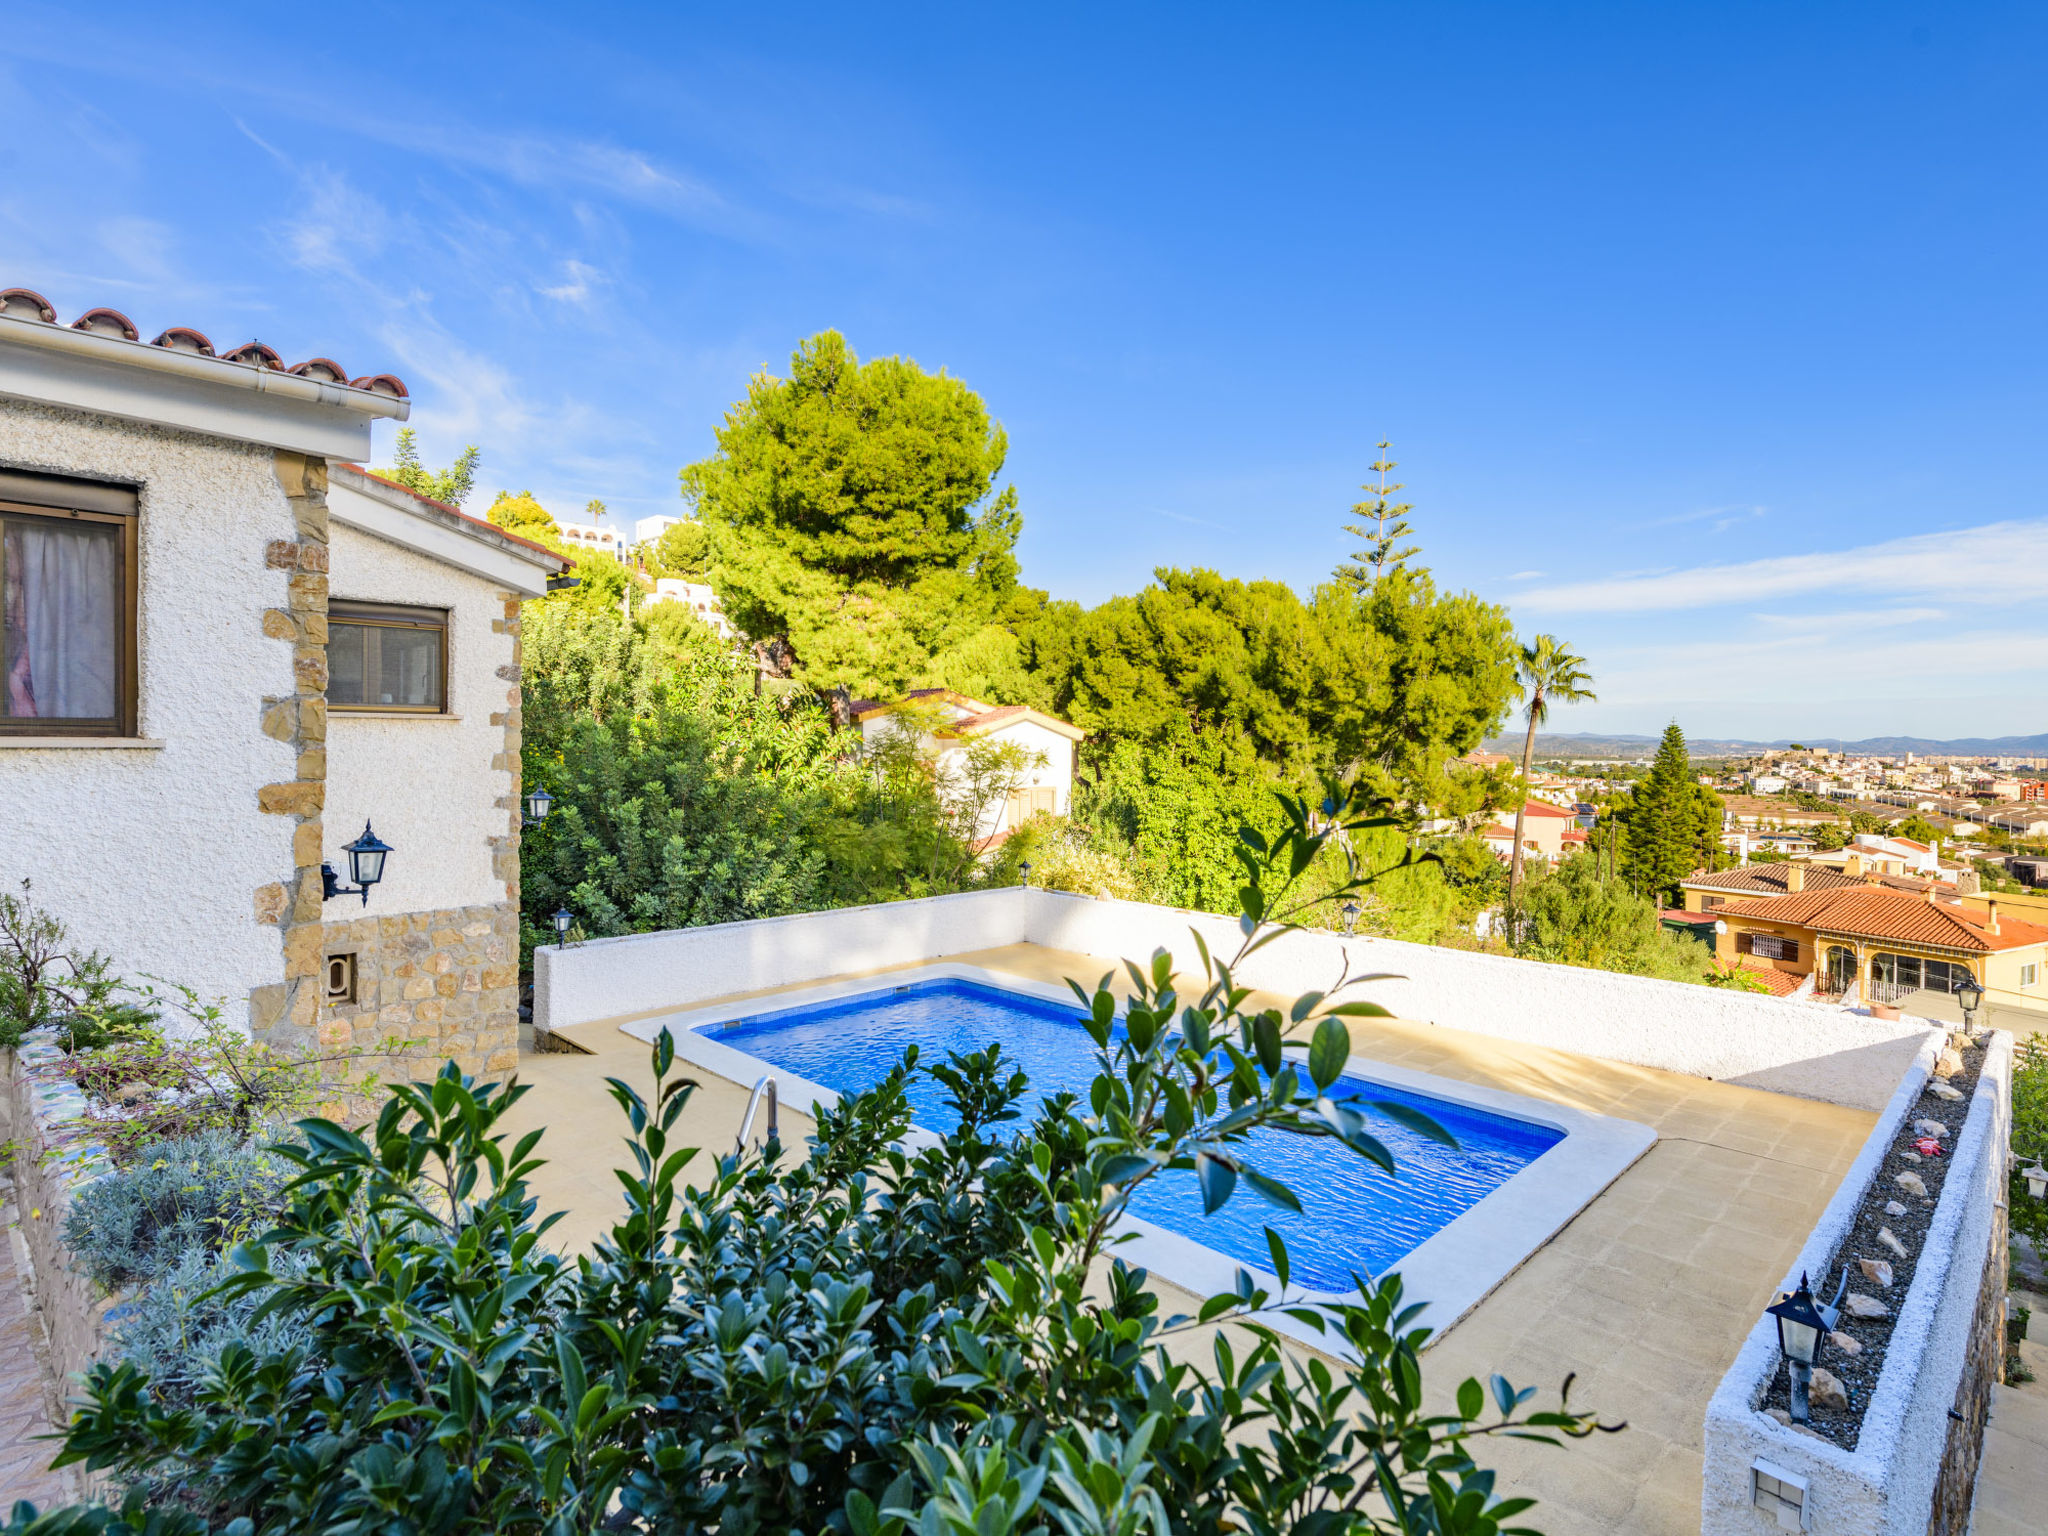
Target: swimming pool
[
  {"x": 1354, "y": 1218},
  {"x": 1452, "y": 1246}
]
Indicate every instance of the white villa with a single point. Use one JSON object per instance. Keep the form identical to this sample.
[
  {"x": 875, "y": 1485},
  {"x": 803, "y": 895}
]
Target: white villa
[
  {"x": 1046, "y": 789},
  {"x": 228, "y": 653}
]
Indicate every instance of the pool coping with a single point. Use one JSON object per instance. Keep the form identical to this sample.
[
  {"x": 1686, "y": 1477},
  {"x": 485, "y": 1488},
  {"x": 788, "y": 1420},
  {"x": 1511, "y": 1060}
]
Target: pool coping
[{"x": 1452, "y": 1270}]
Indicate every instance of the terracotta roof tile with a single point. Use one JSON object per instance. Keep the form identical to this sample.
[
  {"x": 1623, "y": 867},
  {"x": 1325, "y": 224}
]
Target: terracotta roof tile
[
  {"x": 27, "y": 304},
  {"x": 1873, "y": 912},
  {"x": 107, "y": 322},
  {"x": 1778, "y": 983}
]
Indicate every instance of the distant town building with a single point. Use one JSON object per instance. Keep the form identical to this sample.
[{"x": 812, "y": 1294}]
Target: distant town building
[
  {"x": 591, "y": 538},
  {"x": 647, "y": 529}
]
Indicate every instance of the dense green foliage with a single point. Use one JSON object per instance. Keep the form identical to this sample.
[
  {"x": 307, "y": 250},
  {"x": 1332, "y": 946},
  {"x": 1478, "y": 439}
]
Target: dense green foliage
[
  {"x": 863, "y": 1340},
  {"x": 2029, "y": 1137},
  {"x": 683, "y": 796},
  {"x": 853, "y": 515},
  {"x": 1202, "y": 693},
  {"x": 1572, "y": 915},
  {"x": 451, "y": 485},
  {"x": 1671, "y": 824}
]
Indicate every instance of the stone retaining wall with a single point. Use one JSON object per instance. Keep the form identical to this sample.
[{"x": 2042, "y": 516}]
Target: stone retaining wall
[{"x": 47, "y": 1178}]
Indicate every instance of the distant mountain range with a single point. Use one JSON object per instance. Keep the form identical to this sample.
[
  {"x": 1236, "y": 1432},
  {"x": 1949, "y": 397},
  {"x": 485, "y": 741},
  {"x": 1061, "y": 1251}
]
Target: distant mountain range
[{"x": 1587, "y": 744}]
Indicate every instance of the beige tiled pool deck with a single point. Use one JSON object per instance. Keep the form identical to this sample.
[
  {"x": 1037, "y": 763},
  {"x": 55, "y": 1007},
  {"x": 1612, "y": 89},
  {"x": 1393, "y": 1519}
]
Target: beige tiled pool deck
[{"x": 1646, "y": 1295}]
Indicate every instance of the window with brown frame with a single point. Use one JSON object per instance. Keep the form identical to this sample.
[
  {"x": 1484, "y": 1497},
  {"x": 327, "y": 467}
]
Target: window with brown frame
[
  {"x": 67, "y": 607},
  {"x": 382, "y": 657}
]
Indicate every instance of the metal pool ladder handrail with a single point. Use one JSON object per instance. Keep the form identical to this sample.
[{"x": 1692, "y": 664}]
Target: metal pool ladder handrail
[{"x": 765, "y": 1085}]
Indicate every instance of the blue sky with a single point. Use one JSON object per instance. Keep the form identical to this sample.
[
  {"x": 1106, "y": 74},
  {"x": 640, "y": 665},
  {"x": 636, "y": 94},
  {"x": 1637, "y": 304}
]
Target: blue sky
[{"x": 1709, "y": 338}]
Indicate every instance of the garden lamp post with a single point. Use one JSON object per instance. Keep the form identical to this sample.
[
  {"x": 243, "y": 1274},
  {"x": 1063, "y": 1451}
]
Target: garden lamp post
[
  {"x": 538, "y": 803},
  {"x": 365, "y": 867},
  {"x": 1970, "y": 993},
  {"x": 564, "y": 921},
  {"x": 2037, "y": 1180},
  {"x": 1800, "y": 1330},
  {"x": 1349, "y": 912}
]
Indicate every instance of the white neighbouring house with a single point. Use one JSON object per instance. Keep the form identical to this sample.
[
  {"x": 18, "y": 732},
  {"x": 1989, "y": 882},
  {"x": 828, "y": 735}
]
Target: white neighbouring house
[
  {"x": 1046, "y": 789},
  {"x": 225, "y": 650},
  {"x": 1548, "y": 832},
  {"x": 696, "y": 596},
  {"x": 592, "y": 538}
]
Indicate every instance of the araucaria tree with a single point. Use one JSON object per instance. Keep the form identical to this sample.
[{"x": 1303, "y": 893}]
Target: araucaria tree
[
  {"x": 451, "y": 485},
  {"x": 1548, "y": 673},
  {"x": 1383, "y": 524},
  {"x": 854, "y": 517},
  {"x": 1671, "y": 824}
]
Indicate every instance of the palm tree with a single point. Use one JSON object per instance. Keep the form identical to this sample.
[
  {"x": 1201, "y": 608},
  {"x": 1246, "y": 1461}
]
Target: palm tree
[{"x": 1546, "y": 670}]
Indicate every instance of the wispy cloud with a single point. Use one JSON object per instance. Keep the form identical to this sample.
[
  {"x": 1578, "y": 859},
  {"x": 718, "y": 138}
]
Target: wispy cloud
[
  {"x": 1198, "y": 522},
  {"x": 1722, "y": 518},
  {"x": 578, "y": 279},
  {"x": 1997, "y": 562},
  {"x": 1527, "y": 575}
]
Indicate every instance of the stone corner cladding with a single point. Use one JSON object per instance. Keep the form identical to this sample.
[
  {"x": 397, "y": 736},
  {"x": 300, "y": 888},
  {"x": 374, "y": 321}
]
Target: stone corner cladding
[
  {"x": 49, "y": 1172},
  {"x": 505, "y": 849},
  {"x": 286, "y": 1012},
  {"x": 446, "y": 983}
]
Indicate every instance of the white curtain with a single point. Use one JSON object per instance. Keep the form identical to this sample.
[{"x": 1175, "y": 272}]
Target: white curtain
[{"x": 62, "y": 622}]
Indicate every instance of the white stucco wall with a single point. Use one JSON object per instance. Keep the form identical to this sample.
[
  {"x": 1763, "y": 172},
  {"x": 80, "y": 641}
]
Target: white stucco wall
[
  {"x": 1807, "y": 1049},
  {"x": 1884, "y": 1487},
  {"x": 425, "y": 783},
  {"x": 154, "y": 855}
]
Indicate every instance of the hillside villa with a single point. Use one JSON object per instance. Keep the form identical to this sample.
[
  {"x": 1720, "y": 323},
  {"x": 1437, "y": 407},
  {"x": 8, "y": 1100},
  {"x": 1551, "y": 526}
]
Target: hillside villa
[
  {"x": 1880, "y": 945},
  {"x": 1548, "y": 832},
  {"x": 1046, "y": 787}
]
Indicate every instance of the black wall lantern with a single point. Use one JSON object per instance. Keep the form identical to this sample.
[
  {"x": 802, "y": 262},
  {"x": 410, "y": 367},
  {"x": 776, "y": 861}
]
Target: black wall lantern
[
  {"x": 1024, "y": 871},
  {"x": 538, "y": 803},
  {"x": 365, "y": 867},
  {"x": 564, "y": 921},
  {"x": 1349, "y": 912}
]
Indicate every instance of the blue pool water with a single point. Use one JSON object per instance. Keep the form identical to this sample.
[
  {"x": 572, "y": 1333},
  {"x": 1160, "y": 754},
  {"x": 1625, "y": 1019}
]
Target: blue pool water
[{"x": 1354, "y": 1217}]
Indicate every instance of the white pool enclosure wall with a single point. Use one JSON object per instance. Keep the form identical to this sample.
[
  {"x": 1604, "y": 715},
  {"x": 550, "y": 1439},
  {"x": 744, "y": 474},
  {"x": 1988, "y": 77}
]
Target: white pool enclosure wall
[{"x": 1808, "y": 1049}]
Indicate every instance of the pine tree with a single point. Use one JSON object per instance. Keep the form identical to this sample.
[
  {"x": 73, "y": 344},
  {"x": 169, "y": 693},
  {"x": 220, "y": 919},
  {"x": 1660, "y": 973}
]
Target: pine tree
[{"x": 1382, "y": 523}]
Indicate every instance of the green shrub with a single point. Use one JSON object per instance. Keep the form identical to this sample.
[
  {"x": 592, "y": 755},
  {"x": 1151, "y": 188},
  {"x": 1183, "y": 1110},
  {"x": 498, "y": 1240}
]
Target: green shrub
[
  {"x": 175, "y": 1329},
  {"x": 2029, "y": 1138},
  {"x": 43, "y": 981},
  {"x": 190, "y": 1195}
]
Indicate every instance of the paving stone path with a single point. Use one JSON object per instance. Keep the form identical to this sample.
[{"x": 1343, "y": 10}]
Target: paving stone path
[{"x": 24, "y": 1406}]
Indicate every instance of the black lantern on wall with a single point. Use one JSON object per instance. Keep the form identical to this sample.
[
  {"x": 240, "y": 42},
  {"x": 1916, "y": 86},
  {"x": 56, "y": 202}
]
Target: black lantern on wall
[
  {"x": 564, "y": 921},
  {"x": 365, "y": 866},
  {"x": 538, "y": 803},
  {"x": 1349, "y": 912}
]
